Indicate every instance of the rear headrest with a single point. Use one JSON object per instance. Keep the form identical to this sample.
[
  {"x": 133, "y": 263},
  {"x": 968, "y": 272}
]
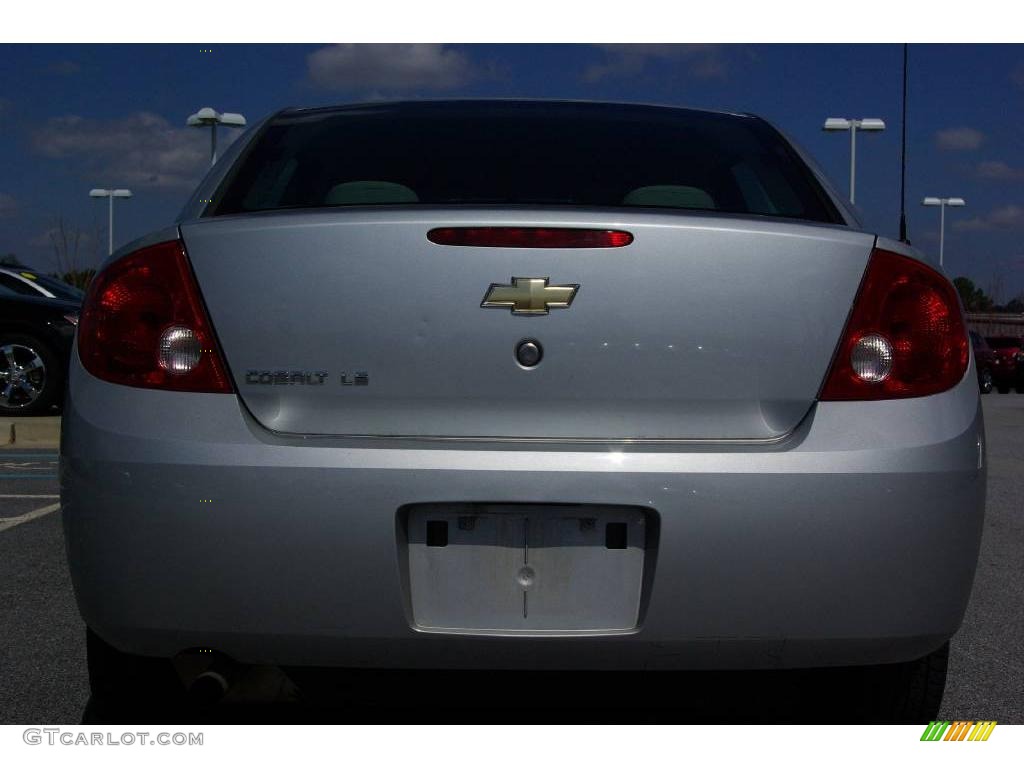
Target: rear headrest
[
  {"x": 670, "y": 196},
  {"x": 370, "y": 193}
]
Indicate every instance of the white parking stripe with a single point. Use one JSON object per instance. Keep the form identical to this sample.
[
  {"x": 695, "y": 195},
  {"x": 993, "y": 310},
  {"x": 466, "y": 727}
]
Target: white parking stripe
[
  {"x": 10, "y": 522},
  {"x": 29, "y": 495}
]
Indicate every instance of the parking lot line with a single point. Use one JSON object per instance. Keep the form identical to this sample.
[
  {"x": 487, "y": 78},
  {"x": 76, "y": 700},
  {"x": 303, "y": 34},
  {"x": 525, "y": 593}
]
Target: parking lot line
[
  {"x": 29, "y": 495},
  {"x": 11, "y": 522}
]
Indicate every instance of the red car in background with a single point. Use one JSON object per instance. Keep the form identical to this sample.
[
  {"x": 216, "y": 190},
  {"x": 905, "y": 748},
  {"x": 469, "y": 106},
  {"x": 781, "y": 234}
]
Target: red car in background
[{"x": 1008, "y": 365}]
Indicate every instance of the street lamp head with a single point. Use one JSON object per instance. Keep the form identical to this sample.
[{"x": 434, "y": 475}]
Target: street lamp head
[
  {"x": 956, "y": 202},
  {"x": 110, "y": 193},
  {"x": 205, "y": 116},
  {"x": 845, "y": 124},
  {"x": 210, "y": 116},
  {"x": 232, "y": 118},
  {"x": 931, "y": 201},
  {"x": 837, "y": 124},
  {"x": 871, "y": 124}
]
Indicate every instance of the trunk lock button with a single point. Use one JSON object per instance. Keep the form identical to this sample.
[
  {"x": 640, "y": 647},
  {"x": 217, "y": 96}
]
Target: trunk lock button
[{"x": 529, "y": 353}]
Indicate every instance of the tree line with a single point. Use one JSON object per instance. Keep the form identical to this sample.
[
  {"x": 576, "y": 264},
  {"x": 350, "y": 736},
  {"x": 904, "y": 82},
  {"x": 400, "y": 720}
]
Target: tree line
[
  {"x": 73, "y": 247},
  {"x": 976, "y": 300}
]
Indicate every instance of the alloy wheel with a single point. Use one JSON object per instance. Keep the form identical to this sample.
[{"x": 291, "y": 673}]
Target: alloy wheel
[{"x": 22, "y": 376}]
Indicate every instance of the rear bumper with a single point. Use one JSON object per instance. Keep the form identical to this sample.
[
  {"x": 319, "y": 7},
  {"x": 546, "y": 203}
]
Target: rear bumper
[{"x": 853, "y": 541}]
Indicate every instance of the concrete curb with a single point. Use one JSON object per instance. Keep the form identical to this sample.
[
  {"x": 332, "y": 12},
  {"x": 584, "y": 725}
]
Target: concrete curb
[{"x": 30, "y": 432}]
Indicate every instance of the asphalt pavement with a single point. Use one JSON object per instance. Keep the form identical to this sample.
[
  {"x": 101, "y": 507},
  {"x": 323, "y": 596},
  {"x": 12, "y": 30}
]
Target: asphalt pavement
[
  {"x": 42, "y": 650},
  {"x": 42, "y": 638}
]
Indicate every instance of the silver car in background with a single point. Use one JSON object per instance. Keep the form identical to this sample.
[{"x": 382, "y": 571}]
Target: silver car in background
[{"x": 521, "y": 385}]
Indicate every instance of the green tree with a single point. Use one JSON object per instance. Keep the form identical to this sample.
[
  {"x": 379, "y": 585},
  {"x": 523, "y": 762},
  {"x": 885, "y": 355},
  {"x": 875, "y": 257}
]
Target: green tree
[
  {"x": 974, "y": 298},
  {"x": 10, "y": 260}
]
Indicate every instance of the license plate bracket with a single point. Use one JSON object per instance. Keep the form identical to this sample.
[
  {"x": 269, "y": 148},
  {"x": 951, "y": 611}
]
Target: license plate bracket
[{"x": 526, "y": 568}]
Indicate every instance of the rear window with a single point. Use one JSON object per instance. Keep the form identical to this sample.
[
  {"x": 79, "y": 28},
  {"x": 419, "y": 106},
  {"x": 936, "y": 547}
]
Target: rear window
[
  {"x": 60, "y": 289},
  {"x": 14, "y": 285},
  {"x": 523, "y": 154}
]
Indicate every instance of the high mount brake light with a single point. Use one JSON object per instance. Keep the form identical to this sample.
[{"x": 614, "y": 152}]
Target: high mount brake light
[
  {"x": 905, "y": 337},
  {"x": 530, "y": 237},
  {"x": 143, "y": 324}
]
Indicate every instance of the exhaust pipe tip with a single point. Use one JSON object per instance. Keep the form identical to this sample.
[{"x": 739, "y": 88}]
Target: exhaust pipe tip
[
  {"x": 208, "y": 689},
  {"x": 212, "y": 684}
]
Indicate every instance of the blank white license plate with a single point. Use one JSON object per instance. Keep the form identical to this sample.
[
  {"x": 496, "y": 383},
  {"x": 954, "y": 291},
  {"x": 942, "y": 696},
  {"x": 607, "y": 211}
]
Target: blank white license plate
[{"x": 492, "y": 568}]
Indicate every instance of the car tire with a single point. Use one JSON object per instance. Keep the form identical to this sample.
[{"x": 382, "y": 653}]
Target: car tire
[
  {"x": 986, "y": 381},
  {"x": 123, "y": 685},
  {"x": 910, "y": 692},
  {"x": 46, "y": 379}
]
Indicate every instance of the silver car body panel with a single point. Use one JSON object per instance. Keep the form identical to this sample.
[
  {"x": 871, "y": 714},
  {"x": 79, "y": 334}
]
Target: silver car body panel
[
  {"x": 188, "y": 524},
  {"x": 705, "y": 327}
]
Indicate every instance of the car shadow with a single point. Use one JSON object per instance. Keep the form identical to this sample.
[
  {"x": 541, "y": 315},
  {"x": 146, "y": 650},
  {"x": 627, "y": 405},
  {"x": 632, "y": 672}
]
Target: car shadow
[{"x": 414, "y": 696}]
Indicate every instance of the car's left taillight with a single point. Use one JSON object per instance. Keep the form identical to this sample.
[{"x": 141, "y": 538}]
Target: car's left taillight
[{"x": 143, "y": 324}]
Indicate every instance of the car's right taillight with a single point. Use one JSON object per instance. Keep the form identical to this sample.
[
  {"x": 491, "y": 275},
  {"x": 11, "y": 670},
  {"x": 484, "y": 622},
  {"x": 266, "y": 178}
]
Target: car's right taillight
[
  {"x": 143, "y": 324},
  {"x": 905, "y": 336}
]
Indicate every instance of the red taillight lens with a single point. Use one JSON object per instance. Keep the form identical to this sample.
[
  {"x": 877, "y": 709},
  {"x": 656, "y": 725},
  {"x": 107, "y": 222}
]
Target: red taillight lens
[
  {"x": 905, "y": 336},
  {"x": 143, "y": 324},
  {"x": 530, "y": 237}
]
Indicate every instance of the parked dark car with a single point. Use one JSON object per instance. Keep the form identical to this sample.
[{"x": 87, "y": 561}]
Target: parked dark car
[
  {"x": 36, "y": 334},
  {"x": 984, "y": 362},
  {"x": 30, "y": 282},
  {"x": 1008, "y": 365}
]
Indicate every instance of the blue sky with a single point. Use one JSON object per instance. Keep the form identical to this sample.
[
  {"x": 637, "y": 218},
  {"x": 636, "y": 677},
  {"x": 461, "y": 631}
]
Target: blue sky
[{"x": 77, "y": 116}]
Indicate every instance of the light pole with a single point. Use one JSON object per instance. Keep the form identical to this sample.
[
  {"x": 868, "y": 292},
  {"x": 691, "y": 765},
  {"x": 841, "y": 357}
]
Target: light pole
[
  {"x": 942, "y": 202},
  {"x": 110, "y": 194},
  {"x": 208, "y": 116},
  {"x": 853, "y": 125}
]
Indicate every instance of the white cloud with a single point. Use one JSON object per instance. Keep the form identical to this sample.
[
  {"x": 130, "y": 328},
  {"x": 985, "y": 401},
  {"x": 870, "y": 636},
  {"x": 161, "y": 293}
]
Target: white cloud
[
  {"x": 997, "y": 170},
  {"x": 959, "y": 139},
  {"x": 8, "y": 205},
  {"x": 703, "y": 61},
  {"x": 141, "y": 149},
  {"x": 387, "y": 67},
  {"x": 1006, "y": 217}
]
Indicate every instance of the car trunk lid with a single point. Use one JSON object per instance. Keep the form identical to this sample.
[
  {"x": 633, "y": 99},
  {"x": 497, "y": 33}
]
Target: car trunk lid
[{"x": 704, "y": 327}]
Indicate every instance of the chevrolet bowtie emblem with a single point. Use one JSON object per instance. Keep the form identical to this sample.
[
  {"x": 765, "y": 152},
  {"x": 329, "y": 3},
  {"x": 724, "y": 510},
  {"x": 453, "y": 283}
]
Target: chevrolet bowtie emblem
[{"x": 529, "y": 295}]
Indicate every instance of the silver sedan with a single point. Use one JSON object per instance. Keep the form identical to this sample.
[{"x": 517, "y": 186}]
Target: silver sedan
[{"x": 520, "y": 385}]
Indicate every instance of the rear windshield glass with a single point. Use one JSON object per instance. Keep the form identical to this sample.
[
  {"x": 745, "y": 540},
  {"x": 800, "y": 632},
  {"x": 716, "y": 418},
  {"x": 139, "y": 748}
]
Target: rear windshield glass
[
  {"x": 60, "y": 289},
  {"x": 523, "y": 154},
  {"x": 23, "y": 285}
]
